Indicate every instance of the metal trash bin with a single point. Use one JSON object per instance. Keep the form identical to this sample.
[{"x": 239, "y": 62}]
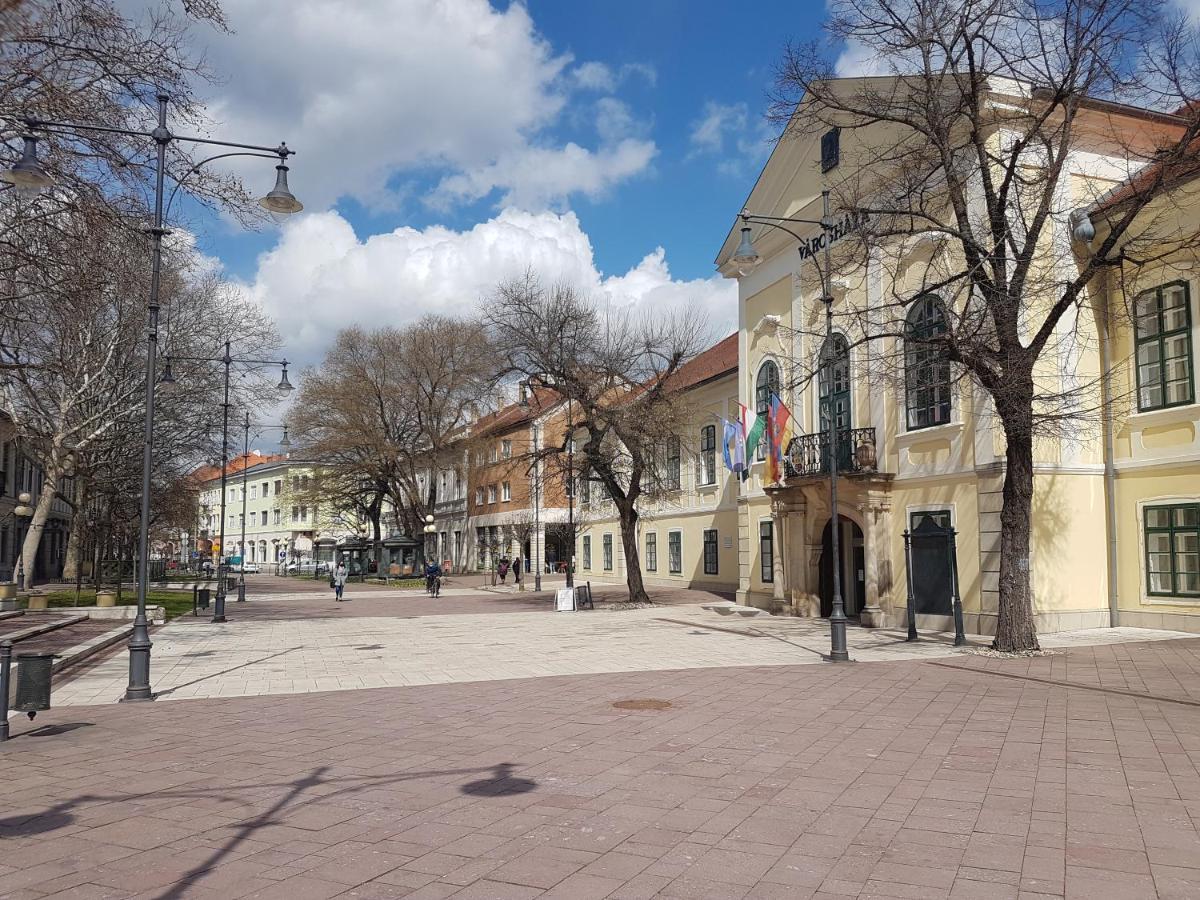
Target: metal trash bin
[
  {"x": 201, "y": 597},
  {"x": 33, "y": 682},
  {"x": 230, "y": 584}
]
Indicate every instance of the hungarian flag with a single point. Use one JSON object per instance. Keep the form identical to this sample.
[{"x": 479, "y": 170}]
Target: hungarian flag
[
  {"x": 779, "y": 430},
  {"x": 754, "y": 435}
]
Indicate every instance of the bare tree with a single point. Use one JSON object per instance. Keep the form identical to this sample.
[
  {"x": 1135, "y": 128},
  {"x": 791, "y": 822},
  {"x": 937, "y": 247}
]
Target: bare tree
[
  {"x": 75, "y": 380},
  {"x": 387, "y": 407},
  {"x": 615, "y": 372},
  {"x": 970, "y": 142}
]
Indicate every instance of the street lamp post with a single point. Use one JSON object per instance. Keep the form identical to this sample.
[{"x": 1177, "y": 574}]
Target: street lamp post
[
  {"x": 747, "y": 258},
  {"x": 28, "y": 177},
  {"x": 538, "y": 548},
  {"x": 228, "y": 361},
  {"x": 22, "y": 511},
  {"x": 285, "y": 443}
]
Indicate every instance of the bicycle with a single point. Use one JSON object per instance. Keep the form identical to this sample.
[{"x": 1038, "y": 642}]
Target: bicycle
[{"x": 433, "y": 585}]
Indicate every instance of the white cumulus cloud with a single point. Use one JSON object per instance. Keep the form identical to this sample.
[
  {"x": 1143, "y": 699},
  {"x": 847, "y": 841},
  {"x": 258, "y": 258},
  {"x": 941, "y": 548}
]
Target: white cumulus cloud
[
  {"x": 374, "y": 92},
  {"x": 322, "y": 277}
]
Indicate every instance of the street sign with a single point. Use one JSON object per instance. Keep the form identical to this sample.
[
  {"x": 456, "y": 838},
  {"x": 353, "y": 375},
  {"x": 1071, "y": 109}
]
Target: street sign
[
  {"x": 564, "y": 600},
  {"x": 235, "y": 560}
]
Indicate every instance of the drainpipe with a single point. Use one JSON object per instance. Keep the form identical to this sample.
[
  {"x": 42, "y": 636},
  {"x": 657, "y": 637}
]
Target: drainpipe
[{"x": 1110, "y": 471}]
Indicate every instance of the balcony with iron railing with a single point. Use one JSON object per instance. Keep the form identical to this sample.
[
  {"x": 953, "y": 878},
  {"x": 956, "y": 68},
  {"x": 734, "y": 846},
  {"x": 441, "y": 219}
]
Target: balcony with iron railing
[{"x": 808, "y": 454}]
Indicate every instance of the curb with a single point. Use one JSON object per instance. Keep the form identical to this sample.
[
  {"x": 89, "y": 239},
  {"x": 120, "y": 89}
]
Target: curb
[
  {"x": 80, "y": 652},
  {"x": 35, "y": 630}
]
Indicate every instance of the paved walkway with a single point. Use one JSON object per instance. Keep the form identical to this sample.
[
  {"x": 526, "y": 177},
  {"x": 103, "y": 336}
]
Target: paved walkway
[
  {"x": 901, "y": 779},
  {"x": 288, "y": 656}
]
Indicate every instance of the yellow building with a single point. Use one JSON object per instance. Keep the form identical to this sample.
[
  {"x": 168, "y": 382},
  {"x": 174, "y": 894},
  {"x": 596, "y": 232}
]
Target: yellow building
[
  {"x": 920, "y": 445},
  {"x": 687, "y": 538},
  {"x": 1148, "y": 345}
]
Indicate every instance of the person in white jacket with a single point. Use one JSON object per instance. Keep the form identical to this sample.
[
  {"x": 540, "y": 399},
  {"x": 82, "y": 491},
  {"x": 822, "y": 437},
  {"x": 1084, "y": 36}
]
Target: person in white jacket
[{"x": 338, "y": 580}]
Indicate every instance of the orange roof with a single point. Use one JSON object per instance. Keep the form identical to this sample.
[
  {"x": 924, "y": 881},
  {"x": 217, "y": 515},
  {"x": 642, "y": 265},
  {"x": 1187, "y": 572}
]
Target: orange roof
[
  {"x": 237, "y": 464},
  {"x": 540, "y": 400},
  {"x": 719, "y": 359}
]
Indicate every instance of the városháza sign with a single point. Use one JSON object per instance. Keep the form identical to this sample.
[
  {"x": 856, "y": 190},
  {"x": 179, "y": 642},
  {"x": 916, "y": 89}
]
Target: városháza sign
[{"x": 849, "y": 224}]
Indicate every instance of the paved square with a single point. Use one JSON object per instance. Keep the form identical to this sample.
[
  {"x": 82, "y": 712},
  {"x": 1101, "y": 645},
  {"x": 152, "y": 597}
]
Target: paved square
[
  {"x": 265, "y": 654},
  {"x": 945, "y": 778}
]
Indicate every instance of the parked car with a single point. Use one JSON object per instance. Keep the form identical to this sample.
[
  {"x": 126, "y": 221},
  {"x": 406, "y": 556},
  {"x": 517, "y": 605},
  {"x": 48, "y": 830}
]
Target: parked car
[
  {"x": 307, "y": 567},
  {"x": 249, "y": 568}
]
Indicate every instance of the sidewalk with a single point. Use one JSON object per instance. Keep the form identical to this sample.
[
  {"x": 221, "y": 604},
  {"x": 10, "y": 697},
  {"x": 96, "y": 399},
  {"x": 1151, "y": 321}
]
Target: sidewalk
[
  {"x": 248, "y": 656},
  {"x": 820, "y": 782}
]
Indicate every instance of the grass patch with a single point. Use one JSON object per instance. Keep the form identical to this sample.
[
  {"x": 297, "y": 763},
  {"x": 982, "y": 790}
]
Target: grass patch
[{"x": 176, "y": 603}]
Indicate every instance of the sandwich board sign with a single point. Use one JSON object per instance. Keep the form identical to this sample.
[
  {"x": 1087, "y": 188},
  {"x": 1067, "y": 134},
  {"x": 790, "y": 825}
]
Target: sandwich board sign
[{"x": 564, "y": 600}]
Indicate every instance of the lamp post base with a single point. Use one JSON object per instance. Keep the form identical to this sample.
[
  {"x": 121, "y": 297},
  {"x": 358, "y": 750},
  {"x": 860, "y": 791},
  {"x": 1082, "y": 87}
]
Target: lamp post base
[
  {"x": 138, "y": 688},
  {"x": 219, "y": 609},
  {"x": 837, "y": 634}
]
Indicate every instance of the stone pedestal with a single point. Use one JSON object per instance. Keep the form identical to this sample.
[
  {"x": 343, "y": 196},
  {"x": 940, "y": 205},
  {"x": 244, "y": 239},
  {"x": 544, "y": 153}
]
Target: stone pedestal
[{"x": 38, "y": 601}]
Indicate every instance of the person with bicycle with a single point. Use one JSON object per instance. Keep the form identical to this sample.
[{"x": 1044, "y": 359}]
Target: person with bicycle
[{"x": 433, "y": 577}]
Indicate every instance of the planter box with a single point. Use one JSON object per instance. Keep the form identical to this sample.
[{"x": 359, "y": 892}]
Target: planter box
[
  {"x": 106, "y": 598},
  {"x": 8, "y": 590},
  {"x": 39, "y": 601}
]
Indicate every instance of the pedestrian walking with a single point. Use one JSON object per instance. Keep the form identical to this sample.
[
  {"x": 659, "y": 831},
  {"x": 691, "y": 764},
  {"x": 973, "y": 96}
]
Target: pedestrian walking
[
  {"x": 502, "y": 568},
  {"x": 338, "y": 581},
  {"x": 516, "y": 569}
]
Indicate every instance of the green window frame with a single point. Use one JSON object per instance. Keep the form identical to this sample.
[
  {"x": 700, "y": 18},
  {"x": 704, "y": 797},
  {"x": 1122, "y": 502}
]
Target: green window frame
[
  {"x": 766, "y": 549},
  {"x": 927, "y": 376},
  {"x": 1162, "y": 324},
  {"x": 587, "y": 552},
  {"x": 606, "y": 544},
  {"x": 651, "y": 551},
  {"x": 711, "y": 554},
  {"x": 766, "y": 384},
  {"x": 1172, "y": 538},
  {"x": 675, "y": 552}
]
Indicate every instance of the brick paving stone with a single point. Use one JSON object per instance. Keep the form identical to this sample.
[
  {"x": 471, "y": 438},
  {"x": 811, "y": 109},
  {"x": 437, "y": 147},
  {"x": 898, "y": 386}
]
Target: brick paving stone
[{"x": 897, "y": 780}]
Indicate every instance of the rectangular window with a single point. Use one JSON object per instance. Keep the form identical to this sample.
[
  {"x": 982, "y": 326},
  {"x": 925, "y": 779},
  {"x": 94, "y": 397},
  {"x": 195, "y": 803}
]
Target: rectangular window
[
  {"x": 304, "y": 482},
  {"x": 675, "y": 552},
  {"x": 278, "y": 486},
  {"x": 1173, "y": 550},
  {"x": 506, "y": 449},
  {"x": 607, "y": 545},
  {"x": 276, "y": 516},
  {"x": 492, "y": 453},
  {"x": 491, "y": 493},
  {"x": 254, "y": 492},
  {"x": 587, "y": 552},
  {"x": 295, "y": 514},
  {"x": 264, "y": 517},
  {"x": 651, "y": 552},
  {"x": 304, "y": 514},
  {"x": 673, "y": 469},
  {"x": 295, "y": 482},
  {"x": 830, "y": 149},
  {"x": 479, "y": 496},
  {"x": 1163, "y": 327},
  {"x": 241, "y": 519},
  {"x": 941, "y": 518},
  {"x": 506, "y": 491},
  {"x": 266, "y": 489},
  {"x": 232, "y": 495},
  {"x": 708, "y": 455},
  {"x": 710, "y": 551},
  {"x": 585, "y": 490},
  {"x": 766, "y": 551}
]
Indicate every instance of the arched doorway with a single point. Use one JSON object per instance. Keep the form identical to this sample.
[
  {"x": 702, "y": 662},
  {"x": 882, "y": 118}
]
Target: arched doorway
[{"x": 852, "y": 565}]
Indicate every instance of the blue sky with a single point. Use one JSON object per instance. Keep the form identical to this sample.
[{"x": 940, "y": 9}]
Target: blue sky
[{"x": 442, "y": 144}]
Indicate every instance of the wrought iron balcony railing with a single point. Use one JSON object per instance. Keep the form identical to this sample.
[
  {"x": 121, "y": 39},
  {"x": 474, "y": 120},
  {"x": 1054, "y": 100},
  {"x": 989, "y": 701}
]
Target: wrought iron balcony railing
[{"x": 808, "y": 454}]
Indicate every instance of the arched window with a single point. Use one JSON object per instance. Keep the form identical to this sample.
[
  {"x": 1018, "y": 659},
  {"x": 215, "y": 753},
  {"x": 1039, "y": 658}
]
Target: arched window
[
  {"x": 926, "y": 366},
  {"x": 766, "y": 384},
  {"x": 708, "y": 454},
  {"x": 834, "y": 392}
]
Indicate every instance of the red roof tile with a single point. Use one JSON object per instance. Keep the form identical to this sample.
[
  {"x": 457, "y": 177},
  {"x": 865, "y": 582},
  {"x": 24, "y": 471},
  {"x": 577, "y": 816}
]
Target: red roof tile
[
  {"x": 719, "y": 359},
  {"x": 237, "y": 464}
]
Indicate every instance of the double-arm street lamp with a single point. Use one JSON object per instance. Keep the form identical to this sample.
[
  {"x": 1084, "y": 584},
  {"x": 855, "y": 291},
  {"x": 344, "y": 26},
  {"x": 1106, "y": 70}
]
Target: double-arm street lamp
[
  {"x": 746, "y": 258},
  {"x": 285, "y": 443},
  {"x": 228, "y": 361},
  {"x": 29, "y": 178}
]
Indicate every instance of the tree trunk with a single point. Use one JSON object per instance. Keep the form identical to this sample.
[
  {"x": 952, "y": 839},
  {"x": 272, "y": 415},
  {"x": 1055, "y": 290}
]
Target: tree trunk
[
  {"x": 1015, "y": 628},
  {"x": 33, "y": 536},
  {"x": 73, "y": 558},
  {"x": 633, "y": 561}
]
